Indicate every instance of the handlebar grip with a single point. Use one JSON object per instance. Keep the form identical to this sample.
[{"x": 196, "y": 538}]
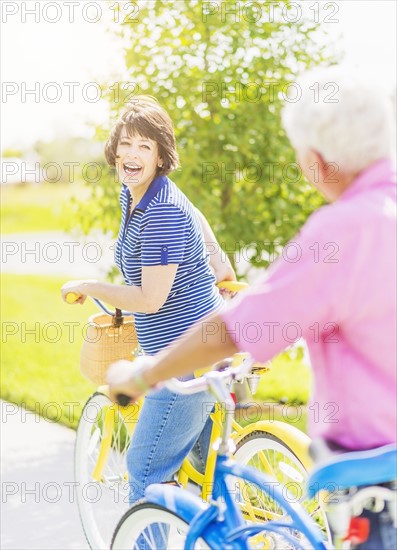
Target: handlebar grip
[
  {"x": 72, "y": 297},
  {"x": 232, "y": 286},
  {"x": 123, "y": 400}
]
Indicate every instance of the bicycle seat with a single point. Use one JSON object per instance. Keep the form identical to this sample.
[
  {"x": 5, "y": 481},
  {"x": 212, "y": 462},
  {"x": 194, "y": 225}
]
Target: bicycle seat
[{"x": 354, "y": 469}]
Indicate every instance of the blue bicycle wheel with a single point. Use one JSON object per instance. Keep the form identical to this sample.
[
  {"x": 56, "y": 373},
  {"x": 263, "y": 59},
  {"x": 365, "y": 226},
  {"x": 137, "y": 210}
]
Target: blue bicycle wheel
[{"x": 149, "y": 526}]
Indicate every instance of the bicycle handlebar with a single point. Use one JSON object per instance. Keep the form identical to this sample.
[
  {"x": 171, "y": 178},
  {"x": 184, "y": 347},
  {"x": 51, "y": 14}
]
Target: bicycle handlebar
[
  {"x": 204, "y": 382},
  {"x": 232, "y": 286},
  {"x": 72, "y": 297},
  {"x": 197, "y": 385}
]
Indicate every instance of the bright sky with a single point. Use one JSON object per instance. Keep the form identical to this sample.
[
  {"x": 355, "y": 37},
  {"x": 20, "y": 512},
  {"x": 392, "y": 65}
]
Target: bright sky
[{"x": 64, "y": 58}]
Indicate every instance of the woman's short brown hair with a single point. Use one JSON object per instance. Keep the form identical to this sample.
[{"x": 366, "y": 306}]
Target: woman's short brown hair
[{"x": 145, "y": 117}]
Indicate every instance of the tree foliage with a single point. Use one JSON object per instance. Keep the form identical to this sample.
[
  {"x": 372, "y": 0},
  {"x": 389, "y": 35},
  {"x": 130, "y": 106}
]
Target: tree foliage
[{"x": 223, "y": 77}]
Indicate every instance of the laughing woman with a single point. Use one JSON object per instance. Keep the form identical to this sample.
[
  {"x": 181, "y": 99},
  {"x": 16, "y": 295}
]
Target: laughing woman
[{"x": 169, "y": 284}]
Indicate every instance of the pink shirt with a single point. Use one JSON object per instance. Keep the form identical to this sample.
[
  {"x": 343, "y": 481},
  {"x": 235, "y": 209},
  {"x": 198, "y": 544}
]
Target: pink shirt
[{"x": 335, "y": 286}]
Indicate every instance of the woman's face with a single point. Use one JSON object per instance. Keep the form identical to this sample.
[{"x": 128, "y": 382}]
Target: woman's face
[{"x": 137, "y": 161}]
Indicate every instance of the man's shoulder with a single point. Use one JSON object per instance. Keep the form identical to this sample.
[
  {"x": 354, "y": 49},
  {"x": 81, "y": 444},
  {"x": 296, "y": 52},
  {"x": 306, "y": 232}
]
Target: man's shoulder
[
  {"x": 350, "y": 225},
  {"x": 335, "y": 218}
]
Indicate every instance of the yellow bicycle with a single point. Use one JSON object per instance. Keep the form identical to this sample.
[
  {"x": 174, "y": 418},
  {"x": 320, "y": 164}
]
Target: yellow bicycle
[{"x": 104, "y": 434}]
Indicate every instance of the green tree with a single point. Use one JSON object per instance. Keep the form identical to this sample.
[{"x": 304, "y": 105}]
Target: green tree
[
  {"x": 223, "y": 76},
  {"x": 70, "y": 159}
]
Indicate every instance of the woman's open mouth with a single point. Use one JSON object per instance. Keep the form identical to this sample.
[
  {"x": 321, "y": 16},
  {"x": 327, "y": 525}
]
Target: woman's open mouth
[{"x": 132, "y": 169}]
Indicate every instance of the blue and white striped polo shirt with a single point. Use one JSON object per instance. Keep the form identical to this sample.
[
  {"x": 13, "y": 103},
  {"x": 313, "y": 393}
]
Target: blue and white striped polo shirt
[{"x": 164, "y": 229}]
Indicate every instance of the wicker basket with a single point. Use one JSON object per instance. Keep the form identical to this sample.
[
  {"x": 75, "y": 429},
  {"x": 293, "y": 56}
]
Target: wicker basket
[{"x": 108, "y": 339}]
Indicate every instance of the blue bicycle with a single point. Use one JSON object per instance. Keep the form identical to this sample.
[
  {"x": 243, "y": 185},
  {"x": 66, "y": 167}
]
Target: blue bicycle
[{"x": 170, "y": 518}]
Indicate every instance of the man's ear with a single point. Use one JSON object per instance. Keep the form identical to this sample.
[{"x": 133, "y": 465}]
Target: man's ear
[
  {"x": 318, "y": 158},
  {"x": 322, "y": 165}
]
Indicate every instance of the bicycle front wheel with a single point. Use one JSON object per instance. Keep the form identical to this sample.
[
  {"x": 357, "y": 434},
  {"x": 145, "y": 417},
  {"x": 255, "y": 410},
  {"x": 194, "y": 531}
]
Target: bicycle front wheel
[
  {"x": 152, "y": 527},
  {"x": 100, "y": 469},
  {"x": 270, "y": 455}
]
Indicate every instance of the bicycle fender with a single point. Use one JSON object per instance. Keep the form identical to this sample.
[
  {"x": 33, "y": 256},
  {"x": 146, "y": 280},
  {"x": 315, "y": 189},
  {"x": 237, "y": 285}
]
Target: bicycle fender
[
  {"x": 199, "y": 515},
  {"x": 104, "y": 390},
  {"x": 175, "y": 499},
  {"x": 297, "y": 440}
]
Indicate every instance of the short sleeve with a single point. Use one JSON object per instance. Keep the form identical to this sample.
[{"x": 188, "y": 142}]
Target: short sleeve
[
  {"x": 164, "y": 231},
  {"x": 301, "y": 289}
]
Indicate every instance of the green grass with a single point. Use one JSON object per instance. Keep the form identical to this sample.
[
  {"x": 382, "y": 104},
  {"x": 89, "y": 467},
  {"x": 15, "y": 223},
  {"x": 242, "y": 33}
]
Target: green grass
[
  {"x": 282, "y": 394},
  {"x": 40, "y": 356},
  {"x": 40, "y": 361},
  {"x": 288, "y": 380},
  {"x": 34, "y": 208}
]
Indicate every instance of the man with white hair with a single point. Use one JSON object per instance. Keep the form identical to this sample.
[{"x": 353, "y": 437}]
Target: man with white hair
[{"x": 338, "y": 290}]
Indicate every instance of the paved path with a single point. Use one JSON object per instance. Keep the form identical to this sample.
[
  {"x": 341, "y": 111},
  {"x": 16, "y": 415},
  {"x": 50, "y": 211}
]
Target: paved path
[{"x": 38, "y": 509}]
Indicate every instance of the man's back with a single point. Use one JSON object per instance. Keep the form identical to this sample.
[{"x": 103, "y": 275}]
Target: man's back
[{"x": 339, "y": 293}]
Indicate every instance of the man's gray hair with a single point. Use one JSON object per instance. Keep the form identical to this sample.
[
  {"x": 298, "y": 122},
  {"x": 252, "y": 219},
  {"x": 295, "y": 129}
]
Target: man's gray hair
[{"x": 342, "y": 116}]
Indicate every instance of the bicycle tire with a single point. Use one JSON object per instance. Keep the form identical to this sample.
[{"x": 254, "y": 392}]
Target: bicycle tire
[
  {"x": 287, "y": 469},
  {"x": 132, "y": 531},
  {"x": 100, "y": 503}
]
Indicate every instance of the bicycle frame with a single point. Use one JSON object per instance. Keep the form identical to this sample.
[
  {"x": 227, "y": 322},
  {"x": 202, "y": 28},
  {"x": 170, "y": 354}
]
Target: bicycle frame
[
  {"x": 293, "y": 437},
  {"x": 212, "y": 522},
  {"x": 130, "y": 415},
  {"x": 217, "y": 527}
]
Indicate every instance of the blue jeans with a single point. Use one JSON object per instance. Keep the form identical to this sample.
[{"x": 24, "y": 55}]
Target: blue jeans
[
  {"x": 382, "y": 535},
  {"x": 168, "y": 428}
]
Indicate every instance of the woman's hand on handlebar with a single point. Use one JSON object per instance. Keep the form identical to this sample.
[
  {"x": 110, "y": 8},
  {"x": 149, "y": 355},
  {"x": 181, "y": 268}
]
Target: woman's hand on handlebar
[
  {"x": 229, "y": 288},
  {"x": 74, "y": 292},
  {"x": 224, "y": 271},
  {"x": 127, "y": 378}
]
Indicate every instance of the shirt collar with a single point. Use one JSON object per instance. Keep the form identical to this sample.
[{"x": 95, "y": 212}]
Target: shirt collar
[
  {"x": 156, "y": 186},
  {"x": 380, "y": 173}
]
